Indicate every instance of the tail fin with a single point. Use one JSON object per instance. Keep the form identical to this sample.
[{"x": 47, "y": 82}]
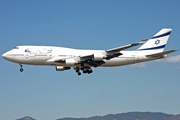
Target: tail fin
[{"x": 158, "y": 41}]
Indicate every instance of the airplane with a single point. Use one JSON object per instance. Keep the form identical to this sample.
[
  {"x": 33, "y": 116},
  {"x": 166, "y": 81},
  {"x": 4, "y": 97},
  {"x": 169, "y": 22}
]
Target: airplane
[{"x": 84, "y": 60}]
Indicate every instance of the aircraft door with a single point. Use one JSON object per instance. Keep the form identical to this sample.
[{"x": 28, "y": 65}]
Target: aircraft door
[
  {"x": 50, "y": 56},
  {"x": 137, "y": 58}
]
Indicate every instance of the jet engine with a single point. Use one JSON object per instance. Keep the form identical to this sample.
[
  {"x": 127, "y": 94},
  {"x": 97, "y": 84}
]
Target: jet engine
[
  {"x": 98, "y": 56},
  {"x": 62, "y": 68},
  {"x": 70, "y": 62}
]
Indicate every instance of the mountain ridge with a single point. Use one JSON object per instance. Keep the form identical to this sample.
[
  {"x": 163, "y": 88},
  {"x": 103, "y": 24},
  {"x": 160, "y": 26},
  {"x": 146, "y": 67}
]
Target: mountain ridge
[
  {"x": 26, "y": 118},
  {"x": 127, "y": 116},
  {"x": 123, "y": 116}
]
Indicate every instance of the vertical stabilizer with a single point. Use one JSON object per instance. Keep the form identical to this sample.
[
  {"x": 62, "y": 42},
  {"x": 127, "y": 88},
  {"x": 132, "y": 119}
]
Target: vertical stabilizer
[{"x": 158, "y": 41}]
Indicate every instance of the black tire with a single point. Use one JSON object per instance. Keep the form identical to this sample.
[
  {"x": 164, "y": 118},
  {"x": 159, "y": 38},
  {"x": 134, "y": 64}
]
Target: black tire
[
  {"x": 21, "y": 70},
  {"x": 84, "y": 71}
]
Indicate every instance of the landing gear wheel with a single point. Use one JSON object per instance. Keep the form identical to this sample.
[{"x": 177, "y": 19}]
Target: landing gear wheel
[
  {"x": 79, "y": 73},
  {"x": 90, "y": 71},
  {"x": 85, "y": 71},
  {"x": 77, "y": 70},
  {"x": 21, "y": 69}
]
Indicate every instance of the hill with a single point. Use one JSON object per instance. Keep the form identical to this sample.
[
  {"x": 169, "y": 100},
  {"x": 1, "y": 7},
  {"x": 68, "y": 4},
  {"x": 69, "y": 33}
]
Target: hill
[
  {"x": 175, "y": 117},
  {"x": 127, "y": 116},
  {"x": 124, "y": 116},
  {"x": 26, "y": 118}
]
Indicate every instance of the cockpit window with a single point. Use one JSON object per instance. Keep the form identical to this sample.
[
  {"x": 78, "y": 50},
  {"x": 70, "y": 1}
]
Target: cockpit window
[{"x": 16, "y": 48}]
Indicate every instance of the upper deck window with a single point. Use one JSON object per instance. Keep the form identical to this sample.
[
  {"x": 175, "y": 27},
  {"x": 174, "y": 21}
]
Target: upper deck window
[{"x": 16, "y": 48}]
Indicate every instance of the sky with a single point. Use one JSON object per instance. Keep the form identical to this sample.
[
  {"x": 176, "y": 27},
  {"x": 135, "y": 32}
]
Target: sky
[{"x": 43, "y": 93}]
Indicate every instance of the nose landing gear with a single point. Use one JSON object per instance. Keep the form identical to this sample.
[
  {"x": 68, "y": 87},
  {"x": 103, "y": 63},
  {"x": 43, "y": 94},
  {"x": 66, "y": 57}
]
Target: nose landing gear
[{"x": 21, "y": 69}]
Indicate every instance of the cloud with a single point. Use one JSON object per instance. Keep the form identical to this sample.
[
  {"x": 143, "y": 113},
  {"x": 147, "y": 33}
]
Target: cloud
[
  {"x": 173, "y": 59},
  {"x": 178, "y": 67},
  {"x": 138, "y": 65}
]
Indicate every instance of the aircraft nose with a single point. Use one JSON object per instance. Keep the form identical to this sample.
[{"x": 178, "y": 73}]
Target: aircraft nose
[{"x": 4, "y": 55}]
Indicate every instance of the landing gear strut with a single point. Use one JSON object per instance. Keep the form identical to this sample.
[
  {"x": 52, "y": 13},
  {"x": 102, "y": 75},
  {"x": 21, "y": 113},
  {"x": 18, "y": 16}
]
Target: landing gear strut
[
  {"x": 78, "y": 71},
  {"x": 21, "y": 69}
]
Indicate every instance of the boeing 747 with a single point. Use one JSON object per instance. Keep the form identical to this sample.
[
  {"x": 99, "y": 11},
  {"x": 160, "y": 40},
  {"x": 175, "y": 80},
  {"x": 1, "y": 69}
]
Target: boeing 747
[{"x": 84, "y": 60}]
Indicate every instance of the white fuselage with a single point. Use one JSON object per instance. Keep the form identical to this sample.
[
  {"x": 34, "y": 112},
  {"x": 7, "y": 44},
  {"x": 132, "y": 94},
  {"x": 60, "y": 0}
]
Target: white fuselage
[
  {"x": 39, "y": 55},
  {"x": 84, "y": 60}
]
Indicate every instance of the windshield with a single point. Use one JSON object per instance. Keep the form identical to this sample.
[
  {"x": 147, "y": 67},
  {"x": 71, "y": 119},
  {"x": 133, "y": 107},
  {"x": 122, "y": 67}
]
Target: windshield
[{"x": 16, "y": 48}]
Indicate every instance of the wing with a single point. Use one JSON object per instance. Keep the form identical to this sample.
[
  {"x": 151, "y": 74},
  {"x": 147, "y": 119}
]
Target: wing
[
  {"x": 82, "y": 60},
  {"x": 93, "y": 63},
  {"x": 56, "y": 59},
  {"x": 126, "y": 47},
  {"x": 111, "y": 53},
  {"x": 89, "y": 60}
]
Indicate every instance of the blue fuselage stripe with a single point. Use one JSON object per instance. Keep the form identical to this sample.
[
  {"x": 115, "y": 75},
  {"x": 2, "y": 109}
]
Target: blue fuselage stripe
[
  {"x": 159, "y": 47},
  {"x": 165, "y": 34}
]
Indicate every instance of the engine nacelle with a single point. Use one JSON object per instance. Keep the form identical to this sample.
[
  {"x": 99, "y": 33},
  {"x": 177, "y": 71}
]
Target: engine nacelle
[
  {"x": 70, "y": 62},
  {"x": 62, "y": 68},
  {"x": 98, "y": 56}
]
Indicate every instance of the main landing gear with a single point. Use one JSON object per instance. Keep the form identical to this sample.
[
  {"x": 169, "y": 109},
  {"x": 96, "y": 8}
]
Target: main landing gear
[
  {"x": 21, "y": 69},
  {"x": 87, "y": 70},
  {"x": 78, "y": 71}
]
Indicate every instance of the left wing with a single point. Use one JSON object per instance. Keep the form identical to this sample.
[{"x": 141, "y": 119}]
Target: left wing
[
  {"x": 111, "y": 53},
  {"x": 126, "y": 47}
]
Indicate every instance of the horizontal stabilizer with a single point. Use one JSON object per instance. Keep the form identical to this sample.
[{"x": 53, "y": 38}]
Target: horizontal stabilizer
[
  {"x": 161, "y": 53},
  {"x": 126, "y": 47}
]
